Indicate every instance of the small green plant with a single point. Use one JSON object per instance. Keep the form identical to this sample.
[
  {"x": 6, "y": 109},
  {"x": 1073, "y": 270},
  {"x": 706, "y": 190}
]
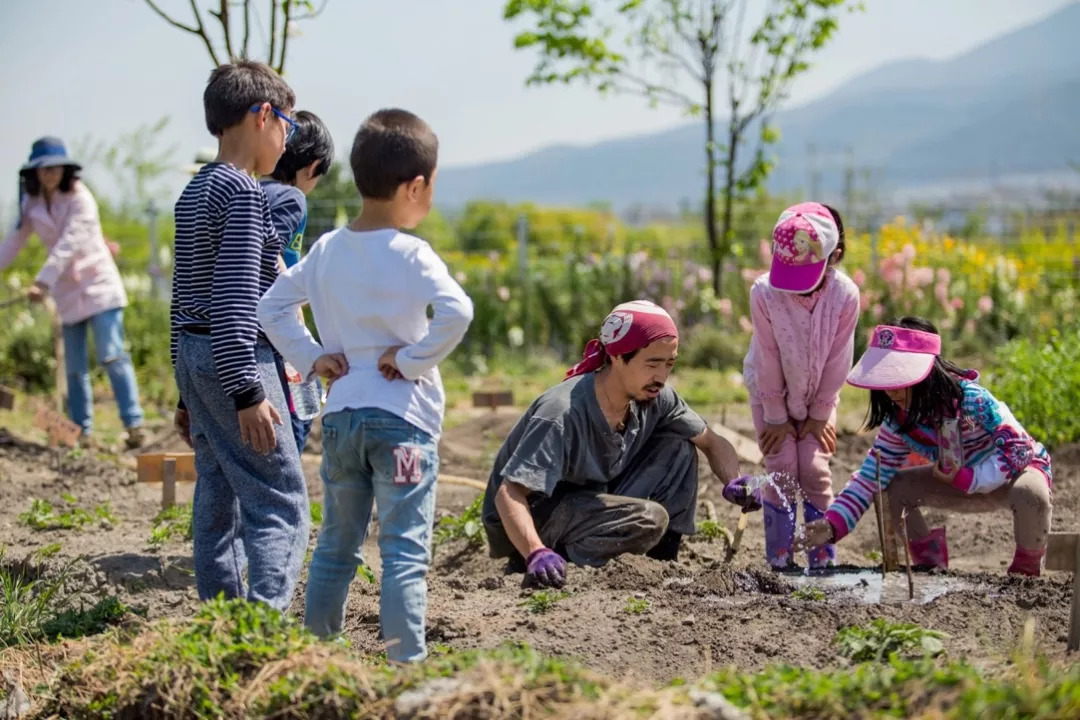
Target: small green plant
[
  {"x": 812, "y": 594},
  {"x": 543, "y": 600},
  {"x": 365, "y": 572},
  {"x": 79, "y": 623},
  {"x": 174, "y": 523},
  {"x": 636, "y": 606},
  {"x": 316, "y": 513},
  {"x": 882, "y": 639},
  {"x": 710, "y": 530},
  {"x": 48, "y": 551},
  {"x": 104, "y": 513},
  {"x": 42, "y": 515},
  {"x": 468, "y": 526},
  {"x": 873, "y": 556}
]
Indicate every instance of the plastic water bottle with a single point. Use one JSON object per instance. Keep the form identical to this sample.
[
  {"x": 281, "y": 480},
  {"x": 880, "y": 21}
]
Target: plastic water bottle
[{"x": 306, "y": 397}]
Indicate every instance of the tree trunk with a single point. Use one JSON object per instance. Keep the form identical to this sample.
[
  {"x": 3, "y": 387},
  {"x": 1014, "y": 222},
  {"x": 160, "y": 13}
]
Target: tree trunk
[
  {"x": 710, "y": 190},
  {"x": 729, "y": 199}
]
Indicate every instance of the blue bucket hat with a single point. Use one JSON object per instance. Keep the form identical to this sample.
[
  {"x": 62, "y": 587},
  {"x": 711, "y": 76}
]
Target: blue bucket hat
[{"x": 48, "y": 152}]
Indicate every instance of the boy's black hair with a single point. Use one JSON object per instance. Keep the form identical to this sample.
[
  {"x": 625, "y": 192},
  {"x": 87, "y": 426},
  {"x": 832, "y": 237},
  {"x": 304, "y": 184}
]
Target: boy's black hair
[
  {"x": 841, "y": 246},
  {"x": 934, "y": 399},
  {"x": 311, "y": 142},
  {"x": 392, "y": 147},
  {"x": 32, "y": 185},
  {"x": 234, "y": 88}
]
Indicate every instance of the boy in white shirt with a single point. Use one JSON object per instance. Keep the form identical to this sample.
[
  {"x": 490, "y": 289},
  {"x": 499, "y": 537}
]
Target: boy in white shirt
[{"x": 369, "y": 287}]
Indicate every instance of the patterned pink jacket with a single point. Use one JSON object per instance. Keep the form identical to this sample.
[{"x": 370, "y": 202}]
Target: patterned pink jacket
[
  {"x": 802, "y": 348},
  {"x": 80, "y": 272}
]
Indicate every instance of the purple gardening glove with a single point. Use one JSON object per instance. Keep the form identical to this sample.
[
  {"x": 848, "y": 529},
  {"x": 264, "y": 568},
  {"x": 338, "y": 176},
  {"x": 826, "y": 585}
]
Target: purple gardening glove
[
  {"x": 738, "y": 493},
  {"x": 546, "y": 568}
]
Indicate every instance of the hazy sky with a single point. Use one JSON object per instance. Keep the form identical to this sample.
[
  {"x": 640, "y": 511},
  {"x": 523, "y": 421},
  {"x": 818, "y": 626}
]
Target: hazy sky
[{"x": 102, "y": 67}]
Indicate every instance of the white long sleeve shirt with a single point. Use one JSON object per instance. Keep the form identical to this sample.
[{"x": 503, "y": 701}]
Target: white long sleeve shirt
[{"x": 370, "y": 291}]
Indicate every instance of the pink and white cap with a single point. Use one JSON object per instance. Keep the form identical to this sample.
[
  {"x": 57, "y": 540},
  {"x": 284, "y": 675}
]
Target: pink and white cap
[
  {"x": 897, "y": 358},
  {"x": 804, "y": 238}
]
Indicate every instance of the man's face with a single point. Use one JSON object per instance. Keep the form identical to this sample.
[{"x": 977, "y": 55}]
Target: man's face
[{"x": 645, "y": 375}]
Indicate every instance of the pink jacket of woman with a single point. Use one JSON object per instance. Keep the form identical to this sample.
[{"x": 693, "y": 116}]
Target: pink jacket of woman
[{"x": 80, "y": 272}]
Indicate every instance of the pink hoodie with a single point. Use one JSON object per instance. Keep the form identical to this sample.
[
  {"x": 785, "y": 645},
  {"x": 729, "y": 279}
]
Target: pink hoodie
[
  {"x": 802, "y": 348},
  {"x": 80, "y": 272}
]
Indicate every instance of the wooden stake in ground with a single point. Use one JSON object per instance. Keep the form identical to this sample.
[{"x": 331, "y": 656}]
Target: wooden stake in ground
[
  {"x": 168, "y": 483},
  {"x": 907, "y": 556},
  {"x": 877, "y": 511},
  {"x": 1063, "y": 553},
  {"x": 60, "y": 374},
  {"x": 744, "y": 518}
]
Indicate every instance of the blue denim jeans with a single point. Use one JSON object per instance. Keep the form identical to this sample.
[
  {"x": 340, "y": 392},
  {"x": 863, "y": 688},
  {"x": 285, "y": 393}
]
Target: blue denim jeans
[
  {"x": 373, "y": 456},
  {"x": 108, "y": 329},
  {"x": 250, "y": 512}
]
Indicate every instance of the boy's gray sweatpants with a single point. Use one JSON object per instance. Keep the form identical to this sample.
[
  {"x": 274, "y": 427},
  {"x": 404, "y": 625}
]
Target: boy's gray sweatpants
[{"x": 250, "y": 510}]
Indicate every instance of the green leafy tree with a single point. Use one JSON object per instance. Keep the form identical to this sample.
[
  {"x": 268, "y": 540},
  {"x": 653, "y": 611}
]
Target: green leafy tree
[
  {"x": 137, "y": 164},
  {"x": 234, "y": 20},
  {"x": 660, "y": 48}
]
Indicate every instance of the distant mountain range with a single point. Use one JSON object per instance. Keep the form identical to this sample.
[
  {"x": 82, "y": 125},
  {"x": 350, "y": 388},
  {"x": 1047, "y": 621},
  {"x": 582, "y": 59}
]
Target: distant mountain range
[{"x": 1009, "y": 107}]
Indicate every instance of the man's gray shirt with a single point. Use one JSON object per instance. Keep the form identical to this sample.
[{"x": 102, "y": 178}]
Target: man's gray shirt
[{"x": 564, "y": 438}]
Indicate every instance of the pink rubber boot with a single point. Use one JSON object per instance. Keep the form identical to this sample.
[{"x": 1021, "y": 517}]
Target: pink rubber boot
[
  {"x": 931, "y": 550},
  {"x": 1027, "y": 562}
]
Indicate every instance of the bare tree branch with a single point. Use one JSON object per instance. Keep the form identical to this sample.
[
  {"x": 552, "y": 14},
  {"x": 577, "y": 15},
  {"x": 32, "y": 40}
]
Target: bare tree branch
[
  {"x": 175, "y": 23},
  {"x": 286, "y": 7},
  {"x": 223, "y": 17},
  {"x": 247, "y": 28},
  {"x": 273, "y": 30}
]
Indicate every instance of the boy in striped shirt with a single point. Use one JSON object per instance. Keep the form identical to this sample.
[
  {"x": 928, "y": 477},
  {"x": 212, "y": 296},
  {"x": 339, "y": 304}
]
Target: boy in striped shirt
[{"x": 250, "y": 506}]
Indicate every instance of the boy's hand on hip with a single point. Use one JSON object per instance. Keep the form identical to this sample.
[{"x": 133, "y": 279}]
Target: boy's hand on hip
[
  {"x": 388, "y": 364},
  {"x": 182, "y": 423},
  {"x": 257, "y": 427},
  {"x": 332, "y": 365},
  {"x": 772, "y": 437},
  {"x": 823, "y": 431}
]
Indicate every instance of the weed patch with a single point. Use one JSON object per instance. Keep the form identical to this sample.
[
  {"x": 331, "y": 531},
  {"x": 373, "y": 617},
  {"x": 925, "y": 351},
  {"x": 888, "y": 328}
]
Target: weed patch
[
  {"x": 636, "y": 606},
  {"x": 811, "y": 594},
  {"x": 468, "y": 526},
  {"x": 881, "y": 639},
  {"x": 710, "y": 530},
  {"x": 543, "y": 600},
  {"x": 174, "y": 523},
  {"x": 42, "y": 515}
]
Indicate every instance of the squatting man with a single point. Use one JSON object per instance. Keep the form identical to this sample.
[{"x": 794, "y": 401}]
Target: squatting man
[{"x": 605, "y": 462}]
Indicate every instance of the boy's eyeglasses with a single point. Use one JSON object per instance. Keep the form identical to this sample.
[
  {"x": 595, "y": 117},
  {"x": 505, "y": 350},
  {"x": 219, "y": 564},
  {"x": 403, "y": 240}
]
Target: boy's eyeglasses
[{"x": 293, "y": 126}]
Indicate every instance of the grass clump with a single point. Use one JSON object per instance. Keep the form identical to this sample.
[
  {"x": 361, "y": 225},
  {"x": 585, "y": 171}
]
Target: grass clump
[
  {"x": 808, "y": 593},
  {"x": 48, "y": 551},
  {"x": 543, "y": 600},
  {"x": 710, "y": 530},
  {"x": 42, "y": 515},
  {"x": 882, "y": 639},
  {"x": 174, "y": 523},
  {"x": 36, "y": 609},
  {"x": 636, "y": 606},
  {"x": 900, "y": 688},
  {"x": 468, "y": 526}
]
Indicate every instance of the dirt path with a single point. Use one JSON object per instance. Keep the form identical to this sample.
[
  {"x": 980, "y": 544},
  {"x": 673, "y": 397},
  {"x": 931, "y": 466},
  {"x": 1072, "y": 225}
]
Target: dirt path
[{"x": 702, "y": 613}]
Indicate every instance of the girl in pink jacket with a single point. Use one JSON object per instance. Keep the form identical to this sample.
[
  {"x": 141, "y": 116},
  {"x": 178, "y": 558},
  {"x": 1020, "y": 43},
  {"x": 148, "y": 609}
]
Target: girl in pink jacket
[
  {"x": 804, "y": 313},
  {"x": 80, "y": 275}
]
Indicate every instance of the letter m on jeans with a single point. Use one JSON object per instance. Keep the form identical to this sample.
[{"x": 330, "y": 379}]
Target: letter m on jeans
[{"x": 407, "y": 465}]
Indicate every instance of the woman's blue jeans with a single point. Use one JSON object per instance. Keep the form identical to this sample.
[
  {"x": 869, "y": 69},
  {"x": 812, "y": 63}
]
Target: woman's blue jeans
[{"x": 108, "y": 329}]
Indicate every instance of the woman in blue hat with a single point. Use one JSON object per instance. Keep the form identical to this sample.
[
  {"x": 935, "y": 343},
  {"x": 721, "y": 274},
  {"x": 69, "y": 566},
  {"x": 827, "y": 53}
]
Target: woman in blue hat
[{"x": 81, "y": 276}]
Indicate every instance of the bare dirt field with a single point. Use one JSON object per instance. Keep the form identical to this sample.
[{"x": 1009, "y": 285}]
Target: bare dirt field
[{"x": 698, "y": 614}]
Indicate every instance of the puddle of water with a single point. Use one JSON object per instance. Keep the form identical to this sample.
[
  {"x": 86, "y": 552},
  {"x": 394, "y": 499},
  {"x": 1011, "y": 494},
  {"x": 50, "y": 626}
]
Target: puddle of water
[{"x": 868, "y": 586}]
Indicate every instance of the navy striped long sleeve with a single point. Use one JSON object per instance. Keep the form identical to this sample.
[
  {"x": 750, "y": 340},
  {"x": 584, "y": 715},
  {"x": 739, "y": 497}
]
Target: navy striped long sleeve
[{"x": 226, "y": 253}]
